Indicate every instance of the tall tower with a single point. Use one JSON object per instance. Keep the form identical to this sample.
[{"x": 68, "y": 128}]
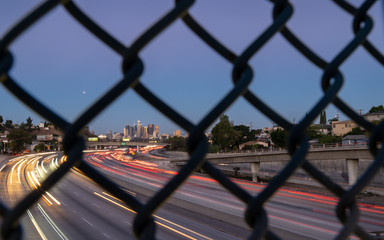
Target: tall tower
[
  {"x": 126, "y": 131},
  {"x": 145, "y": 132},
  {"x": 156, "y": 134},
  {"x": 139, "y": 129},
  {"x": 151, "y": 129}
]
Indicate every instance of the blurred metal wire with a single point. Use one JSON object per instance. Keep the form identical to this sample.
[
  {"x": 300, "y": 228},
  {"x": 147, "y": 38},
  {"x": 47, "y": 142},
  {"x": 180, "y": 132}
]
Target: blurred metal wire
[{"x": 242, "y": 74}]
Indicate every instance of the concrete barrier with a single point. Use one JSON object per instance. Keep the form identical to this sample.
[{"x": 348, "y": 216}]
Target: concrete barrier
[{"x": 343, "y": 165}]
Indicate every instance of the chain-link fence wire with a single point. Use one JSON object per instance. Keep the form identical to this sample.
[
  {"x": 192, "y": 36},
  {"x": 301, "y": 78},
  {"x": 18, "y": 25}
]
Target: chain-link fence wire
[{"x": 242, "y": 74}]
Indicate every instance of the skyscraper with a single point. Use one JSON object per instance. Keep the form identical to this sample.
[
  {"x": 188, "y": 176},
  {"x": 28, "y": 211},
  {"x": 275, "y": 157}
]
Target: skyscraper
[
  {"x": 156, "y": 131},
  {"x": 151, "y": 129},
  {"x": 139, "y": 129},
  {"x": 126, "y": 131},
  {"x": 145, "y": 132}
]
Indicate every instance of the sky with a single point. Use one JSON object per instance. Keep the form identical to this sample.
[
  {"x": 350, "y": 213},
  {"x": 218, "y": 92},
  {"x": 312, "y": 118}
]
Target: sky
[{"x": 67, "y": 68}]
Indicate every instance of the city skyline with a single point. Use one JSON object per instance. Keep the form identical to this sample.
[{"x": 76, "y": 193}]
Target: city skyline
[{"x": 67, "y": 68}]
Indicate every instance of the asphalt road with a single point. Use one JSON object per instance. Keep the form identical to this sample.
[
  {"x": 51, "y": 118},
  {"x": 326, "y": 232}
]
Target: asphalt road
[{"x": 77, "y": 208}]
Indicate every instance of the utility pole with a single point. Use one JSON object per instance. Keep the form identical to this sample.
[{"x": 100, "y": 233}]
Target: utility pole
[{"x": 360, "y": 111}]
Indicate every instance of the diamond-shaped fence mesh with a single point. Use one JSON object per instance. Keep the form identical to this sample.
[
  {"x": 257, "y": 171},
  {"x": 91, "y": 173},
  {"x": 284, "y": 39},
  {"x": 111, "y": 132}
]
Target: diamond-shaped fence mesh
[{"x": 242, "y": 75}]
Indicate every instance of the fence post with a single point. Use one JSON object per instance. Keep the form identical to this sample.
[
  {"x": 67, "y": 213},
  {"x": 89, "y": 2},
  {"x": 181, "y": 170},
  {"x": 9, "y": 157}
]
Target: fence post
[
  {"x": 352, "y": 167},
  {"x": 255, "y": 166}
]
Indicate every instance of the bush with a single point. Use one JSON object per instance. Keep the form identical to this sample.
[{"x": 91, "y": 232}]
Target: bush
[{"x": 213, "y": 149}]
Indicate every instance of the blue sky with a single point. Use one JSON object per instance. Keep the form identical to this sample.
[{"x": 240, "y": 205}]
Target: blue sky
[{"x": 58, "y": 60}]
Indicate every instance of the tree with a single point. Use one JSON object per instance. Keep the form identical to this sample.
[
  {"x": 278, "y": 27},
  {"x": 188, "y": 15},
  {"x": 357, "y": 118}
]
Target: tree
[
  {"x": 279, "y": 137},
  {"x": 329, "y": 139},
  {"x": 40, "y": 147},
  {"x": 176, "y": 143},
  {"x": 29, "y": 123},
  {"x": 244, "y": 134},
  {"x": 1, "y": 123},
  {"x": 8, "y": 124},
  {"x": 335, "y": 119},
  {"x": 255, "y": 132},
  {"x": 87, "y": 133},
  {"x": 23, "y": 125},
  {"x": 224, "y": 134},
  {"x": 374, "y": 109},
  {"x": 18, "y": 138},
  {"x": 313, "y": 132},
  {"x": 354, "y": 131}
]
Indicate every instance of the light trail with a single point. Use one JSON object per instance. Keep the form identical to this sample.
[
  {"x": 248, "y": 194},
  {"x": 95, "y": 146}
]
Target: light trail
[
  {"x": 53, "y": 164},
  {"x": 31, "y": 180},
  {"x": 34, "y": 161},
  {"x": 42, "y": 165},
  {"x": 63, "y": 159},
  {"x": 34, "y": 179},
  {"x": 36, "y": 225},
  {"x": 19, "y": 168},
  {"x": 53, "y": 198},
  {"x": 322, "y": 200},
  {"x": 160, "y": 218},
  {"x": 53, "y": 225},
  {"x": 38, "y": 169},
  {"x": 49, "y": 203},
  {"x": 13, "y": 168},
  {"x": 308, "y": 226}
]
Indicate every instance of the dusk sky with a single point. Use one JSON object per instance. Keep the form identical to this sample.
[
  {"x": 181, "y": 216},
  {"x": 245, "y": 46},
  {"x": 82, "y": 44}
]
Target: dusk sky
[{"x": 66, "y": 67}]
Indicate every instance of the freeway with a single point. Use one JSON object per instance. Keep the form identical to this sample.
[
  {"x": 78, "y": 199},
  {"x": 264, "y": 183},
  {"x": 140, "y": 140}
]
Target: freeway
[{"x": 77, "y": 208}]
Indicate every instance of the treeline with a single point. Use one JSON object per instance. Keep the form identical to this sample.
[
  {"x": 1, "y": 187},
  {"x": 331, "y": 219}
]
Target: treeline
[
  {"x": 18, "y": 137},
  {"x": 225, "y": 136},
  {"x": 21, "y": 135},
  {"x": 279, "y": 136}
]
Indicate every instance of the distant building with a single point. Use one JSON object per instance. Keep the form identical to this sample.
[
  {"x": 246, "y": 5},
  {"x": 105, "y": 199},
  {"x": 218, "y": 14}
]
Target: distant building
[
  {"x": 151, "y": 129},
  {"x": 117, "y": 137},
  {"x": 125, "y": 131},
  {"x": 102, "y": 137},
  {"x": 145, "y": 132},
  {"x": 109, "y": 135},
  {"x": 157, "y": 131},
  {"x": 376, "y": 116},
  {"x": 339, "y": 128},
  {"x": 353, "y": 140},
  {"x": 324, "y": 128},
  {"x": 139, "y": 132},
  {"x": 43, "y": 138},
  {"x": 164, "y": 137},
  {"x": 177, "y": 133}
]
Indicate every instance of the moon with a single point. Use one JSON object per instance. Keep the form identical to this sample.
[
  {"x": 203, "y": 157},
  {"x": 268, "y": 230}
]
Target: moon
[{"x": 84, "y": 92}]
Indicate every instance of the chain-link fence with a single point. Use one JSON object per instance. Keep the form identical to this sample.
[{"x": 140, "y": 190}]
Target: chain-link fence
[{"x": 132, "y": 66}]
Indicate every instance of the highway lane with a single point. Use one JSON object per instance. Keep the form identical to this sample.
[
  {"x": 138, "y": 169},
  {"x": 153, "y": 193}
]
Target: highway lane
[
  {"x": 76, "y": 208},
  {"x": 310, "y": 216},
  {"x": 200, "y": 209}
]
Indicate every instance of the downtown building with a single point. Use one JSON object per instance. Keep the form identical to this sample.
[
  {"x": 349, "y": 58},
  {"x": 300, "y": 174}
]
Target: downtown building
[{"x": 139, "y": 131}]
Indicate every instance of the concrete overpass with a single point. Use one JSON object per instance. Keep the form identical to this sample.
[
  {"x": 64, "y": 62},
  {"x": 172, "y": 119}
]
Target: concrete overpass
[
  {"x": 351, "y": 158},
  {"x": 107, "y": 145}
]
